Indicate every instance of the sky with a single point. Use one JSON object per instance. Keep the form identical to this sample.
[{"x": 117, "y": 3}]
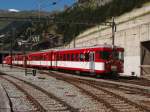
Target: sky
[{"x": 34, "y": 4}]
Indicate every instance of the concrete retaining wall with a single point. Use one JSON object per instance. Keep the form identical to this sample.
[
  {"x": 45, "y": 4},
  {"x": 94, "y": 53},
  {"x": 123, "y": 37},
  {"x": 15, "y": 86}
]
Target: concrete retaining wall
[{"x": 132, "y": 29}]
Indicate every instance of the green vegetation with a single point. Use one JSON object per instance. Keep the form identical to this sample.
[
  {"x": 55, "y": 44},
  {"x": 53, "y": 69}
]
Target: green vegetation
[
  {"x": 64, "y": 22},
  {"x": 23, "y": 29}
]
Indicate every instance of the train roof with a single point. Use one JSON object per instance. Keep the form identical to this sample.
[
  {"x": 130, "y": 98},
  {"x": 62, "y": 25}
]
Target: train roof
[
  {"x": 79, "y": 48},
  {"x": 96, "y": 46}
]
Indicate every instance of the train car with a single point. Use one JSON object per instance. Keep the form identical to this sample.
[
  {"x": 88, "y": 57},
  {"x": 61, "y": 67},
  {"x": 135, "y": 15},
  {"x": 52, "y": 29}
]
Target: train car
[
  {"x": 7, "y": 60},
  {"x": 99, "y": 60},
  {"x": 40, "y": 59},
  {"x": 15, "y": 60},
  {"x": 20, "y": 60},
  {"x": 102, "y": 59}
]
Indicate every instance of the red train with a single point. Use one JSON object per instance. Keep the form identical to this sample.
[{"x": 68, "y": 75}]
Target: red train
[{"x": 100, "y": 60}]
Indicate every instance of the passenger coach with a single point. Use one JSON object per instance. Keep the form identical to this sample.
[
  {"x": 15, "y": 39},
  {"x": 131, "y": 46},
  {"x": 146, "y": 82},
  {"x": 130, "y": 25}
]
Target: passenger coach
[{"x": 100, "y": 59}]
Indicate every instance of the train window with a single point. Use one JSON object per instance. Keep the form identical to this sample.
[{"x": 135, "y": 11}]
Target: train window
[
  {"x": 37, "y": 58},
  {"x": 81, "y": 57},
  {"x": 40, "y": 58},
  {"x": 76, "y": 57},
  {"x": 61, "y": 57},
  {"x": 72, "y": 57},
  {"x": 105, "y": 55},
  {"x": 115, "y": 55},
  {"x": 68, "y": 57},
  {"x": 64, "y": 58},
  {"x": 43, "y": 57},
  {"x": 119, "y": 55},
  {"x": 57, "y": 57},
  {"x": 86, "y": 56}
]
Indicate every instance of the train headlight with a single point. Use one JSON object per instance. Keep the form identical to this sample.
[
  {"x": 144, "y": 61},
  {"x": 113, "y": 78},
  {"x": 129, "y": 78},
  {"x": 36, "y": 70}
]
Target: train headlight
[{"x": 114, "y": 68}]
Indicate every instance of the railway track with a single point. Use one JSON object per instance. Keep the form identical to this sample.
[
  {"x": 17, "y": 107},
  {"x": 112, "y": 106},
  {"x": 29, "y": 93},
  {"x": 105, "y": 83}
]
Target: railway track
[
  {"x": 33, "y": 102},
  {"x": 10, "y": 102},
  {"x": 104, "y": 93},
  {"x": 42, "y": 100},
  {"x": 128, "y": 80},
  {"x": 111, "y": 100},
  {"x": 133, "y": 80},
  {"x": 123, "y": 87}
]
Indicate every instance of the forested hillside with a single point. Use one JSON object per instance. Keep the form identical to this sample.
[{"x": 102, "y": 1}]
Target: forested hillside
[
  {"x": 92, "y": 14},
  {"x": 89, "y": 11}
]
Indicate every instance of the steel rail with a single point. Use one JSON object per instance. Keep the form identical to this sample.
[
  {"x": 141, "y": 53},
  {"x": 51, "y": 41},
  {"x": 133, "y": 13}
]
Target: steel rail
[
  {"x": 71, "y": 80},
  {"x": 10, "y": 102},
  {"x": 36, "y": 104},
  {"x": 70, "y": 108}
]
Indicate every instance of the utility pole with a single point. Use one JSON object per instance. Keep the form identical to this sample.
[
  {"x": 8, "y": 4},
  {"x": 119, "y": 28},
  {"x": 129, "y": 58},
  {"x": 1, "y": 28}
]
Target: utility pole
[
  {"x": 113, "y": 32},
  {"x": 25, "y": 58},
  {"x": 23, "y": 46},
  {"x": 113, "y": 37},
  {"x": 11, "y": 47}
]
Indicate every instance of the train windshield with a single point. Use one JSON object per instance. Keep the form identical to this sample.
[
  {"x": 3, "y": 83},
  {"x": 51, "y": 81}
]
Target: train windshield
[
  {"x": 105, "y": 55},
  {"x": 108, "y": 55},
  {"x": 119, "y": 55}
]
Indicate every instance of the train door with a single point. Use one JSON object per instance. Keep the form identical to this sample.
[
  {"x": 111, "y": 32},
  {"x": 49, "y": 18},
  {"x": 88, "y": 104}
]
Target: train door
[
  {"x": 50, "y": 59},
  {"x": 45, "y": 60},
  {"x": 55, "y": 60},
  {"x": 92, "y": 61}
]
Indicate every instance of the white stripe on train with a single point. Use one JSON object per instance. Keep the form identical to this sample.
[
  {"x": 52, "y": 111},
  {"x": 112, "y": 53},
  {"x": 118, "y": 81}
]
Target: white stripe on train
[{"x": 67, "y": 64}]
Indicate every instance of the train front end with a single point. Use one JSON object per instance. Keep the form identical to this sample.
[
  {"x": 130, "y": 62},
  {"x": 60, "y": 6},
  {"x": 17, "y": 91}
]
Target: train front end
[{"x": 113, "y": 61}]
